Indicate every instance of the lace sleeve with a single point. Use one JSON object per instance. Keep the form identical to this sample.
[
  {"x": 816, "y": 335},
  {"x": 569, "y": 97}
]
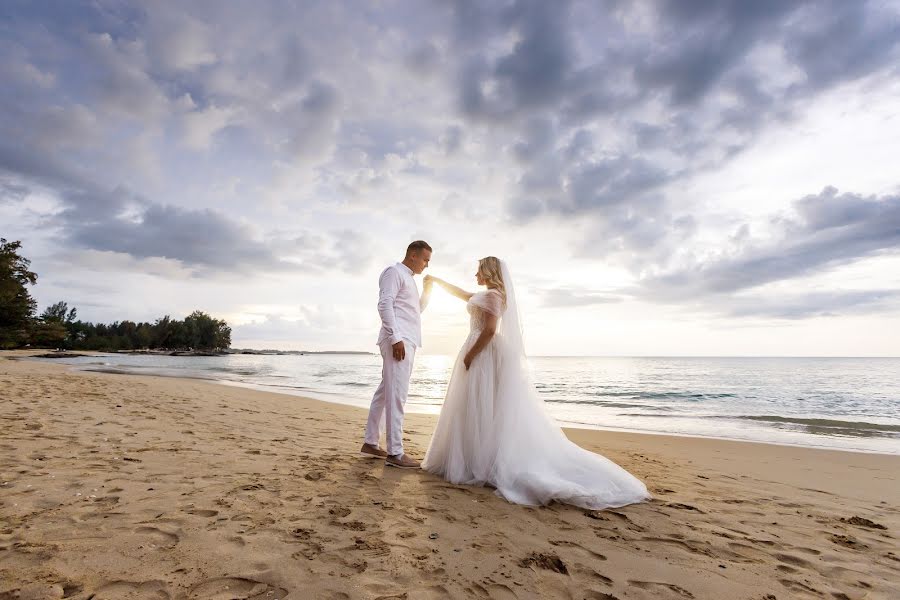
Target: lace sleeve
[{"x": 490, "y": 301}]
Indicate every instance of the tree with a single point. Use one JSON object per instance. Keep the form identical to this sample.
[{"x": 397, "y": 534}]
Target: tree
[
  {"x": 16, "y": 304},
  {"x": 207, "y": 333},
  {"x": 55, "y": 327},
  {"x": 58, "y": 313},
  {"x": 48, "y": 334}
]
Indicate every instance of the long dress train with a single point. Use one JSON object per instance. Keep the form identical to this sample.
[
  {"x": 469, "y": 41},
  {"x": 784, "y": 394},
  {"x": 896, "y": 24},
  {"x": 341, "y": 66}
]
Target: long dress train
[{"x": 494, "y": 429}]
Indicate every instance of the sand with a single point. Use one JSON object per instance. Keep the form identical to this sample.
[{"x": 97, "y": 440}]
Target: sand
[{"x": 120, "y": 486}]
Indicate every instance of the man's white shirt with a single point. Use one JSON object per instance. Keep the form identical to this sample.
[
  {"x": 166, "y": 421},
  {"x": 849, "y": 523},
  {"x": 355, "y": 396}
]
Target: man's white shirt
[{"x": 399, "y": 306}]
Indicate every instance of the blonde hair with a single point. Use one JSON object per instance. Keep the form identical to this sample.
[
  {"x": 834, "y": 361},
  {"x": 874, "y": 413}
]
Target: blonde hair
[{"x": 489, "y": 267}]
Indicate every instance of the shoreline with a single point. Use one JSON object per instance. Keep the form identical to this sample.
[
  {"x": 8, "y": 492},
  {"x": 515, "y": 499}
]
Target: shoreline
[
  {"x": 565, "y": 425},
  {"x": 153, "y": 487},
  {"x": 412, "y": 408}
]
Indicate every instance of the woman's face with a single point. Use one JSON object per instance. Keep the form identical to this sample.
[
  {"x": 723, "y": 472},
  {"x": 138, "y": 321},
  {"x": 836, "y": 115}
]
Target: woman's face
[{"x": 478, "y": 277}]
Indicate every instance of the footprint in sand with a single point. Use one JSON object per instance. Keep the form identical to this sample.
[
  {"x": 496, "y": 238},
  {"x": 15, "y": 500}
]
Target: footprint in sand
[
  {"x": 795, "y": 561},
  {"x": 678, "y": 591},
  {"x": 371, "y": 546},
  {"x": 847, "y": 541},
  {"x": 568, "y": 544},
  {"x": 797, "y": 587},
  {"x": 594, "y": 595},
  {"x": 202, "y": 512},
  {"x": 550, "y": 562},
  {"x": 236, "y": 588},
  {"x": 132, "y": 590},
  {"x": 309, "y": 550},
  {"x": 748, "y": 553},
  {"x": 630, "y": 524},
  {"x": 681, "y": 506},
  {"x": 498, "y": 591},
  {"x": 157, "y": 537},
  {"x": 691, "y": 546}
]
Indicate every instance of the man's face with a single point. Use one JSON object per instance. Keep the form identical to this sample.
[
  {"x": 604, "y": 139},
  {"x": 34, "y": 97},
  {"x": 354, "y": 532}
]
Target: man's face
[{"x": 420, "y": 260}]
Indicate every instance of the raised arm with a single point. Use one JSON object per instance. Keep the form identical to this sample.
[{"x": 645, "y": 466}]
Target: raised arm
[
  {"x": 456, "y": 291},
  {"x": 427, "y": 284}
]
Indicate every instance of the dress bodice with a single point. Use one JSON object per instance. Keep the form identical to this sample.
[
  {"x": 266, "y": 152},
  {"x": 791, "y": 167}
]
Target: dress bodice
[
  {"x": 476, "y": 318},
  {"x": 480, "y": 305}
]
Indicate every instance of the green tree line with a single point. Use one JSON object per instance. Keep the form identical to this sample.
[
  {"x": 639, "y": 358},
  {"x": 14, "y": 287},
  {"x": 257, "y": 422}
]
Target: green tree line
[{"x": 57, "y": 326}]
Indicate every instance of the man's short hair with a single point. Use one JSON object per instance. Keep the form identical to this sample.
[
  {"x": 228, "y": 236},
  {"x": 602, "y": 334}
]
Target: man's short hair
[{"x": 418, "y": 246}]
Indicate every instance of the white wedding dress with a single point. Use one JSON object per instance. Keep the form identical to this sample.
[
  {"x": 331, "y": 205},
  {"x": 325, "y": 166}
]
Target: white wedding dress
[{"x": 493, "y": 428}]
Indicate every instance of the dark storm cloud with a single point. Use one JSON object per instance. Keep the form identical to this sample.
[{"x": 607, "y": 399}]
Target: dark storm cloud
[{"x": 828, "y": 230}]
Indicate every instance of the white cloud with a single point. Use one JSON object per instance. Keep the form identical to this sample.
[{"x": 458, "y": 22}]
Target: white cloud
[{"x": 627, "y": 159}]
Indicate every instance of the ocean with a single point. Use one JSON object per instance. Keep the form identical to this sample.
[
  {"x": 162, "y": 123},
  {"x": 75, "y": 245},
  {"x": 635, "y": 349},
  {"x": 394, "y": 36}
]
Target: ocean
[{"x": 840, "y": 403}]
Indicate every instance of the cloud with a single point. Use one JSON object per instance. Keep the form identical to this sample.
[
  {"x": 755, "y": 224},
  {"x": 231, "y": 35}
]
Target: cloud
[
  {"x": 11, "y": 192},
  {"x": 605, "y": 110},
  {"x": 452, "y": 139},
  {"x": 815, "y": 304},
  {"x": 309, "y": 327},
  {"x": 234, "y": 138},
  {"x": 567, "y": 298},
  {"x": 424, "y": 59},
  {"x": 827, "y": 230},
  {"x": 701, "y": 43},
  {"x": 201, "y": 238},
  {"x": 312, "y": 122},
  {"x": 201, "y": 125},
  {"x": 842, "y": 41},
  {"x": 116, "y": 70},
  {"x": 530, "y": 75}
]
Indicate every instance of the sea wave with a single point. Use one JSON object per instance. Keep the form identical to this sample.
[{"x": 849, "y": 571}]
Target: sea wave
[
  {"x": 813, "y": 426},
  {"x": 235, "y": 370},
  {"x": 600, "y": 403},
  {"x": 634, "y": 394},
  {"x": 823, "y": 423}
]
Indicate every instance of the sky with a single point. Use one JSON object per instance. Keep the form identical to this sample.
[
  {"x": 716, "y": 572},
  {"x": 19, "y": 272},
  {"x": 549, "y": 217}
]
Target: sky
[{"x": 663, "y": 177}]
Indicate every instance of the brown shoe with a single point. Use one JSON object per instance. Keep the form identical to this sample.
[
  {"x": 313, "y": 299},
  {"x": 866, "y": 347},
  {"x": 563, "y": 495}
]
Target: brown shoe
[
  {"x": 370, "y": 451},
  {"x": 401, "y": 461}
]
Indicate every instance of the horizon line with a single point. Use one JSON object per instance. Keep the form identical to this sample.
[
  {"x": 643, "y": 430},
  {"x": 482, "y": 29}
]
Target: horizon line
[{"x": 347, "y": 351}]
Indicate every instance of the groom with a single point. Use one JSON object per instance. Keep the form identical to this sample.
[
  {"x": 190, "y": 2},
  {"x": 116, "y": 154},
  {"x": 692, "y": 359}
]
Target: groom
[{"x": 399, "y": 307}]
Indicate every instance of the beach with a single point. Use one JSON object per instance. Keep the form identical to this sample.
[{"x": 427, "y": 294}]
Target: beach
[{"x": 126, "y": 486}]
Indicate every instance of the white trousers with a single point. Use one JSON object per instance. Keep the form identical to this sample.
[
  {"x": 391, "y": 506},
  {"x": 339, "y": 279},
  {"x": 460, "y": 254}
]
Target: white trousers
[{"x": 390, "y": 398}]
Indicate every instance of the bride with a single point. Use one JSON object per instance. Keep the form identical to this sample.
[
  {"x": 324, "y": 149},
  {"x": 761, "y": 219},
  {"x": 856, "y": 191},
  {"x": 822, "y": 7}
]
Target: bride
[{"x": 493, "y": 429}]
